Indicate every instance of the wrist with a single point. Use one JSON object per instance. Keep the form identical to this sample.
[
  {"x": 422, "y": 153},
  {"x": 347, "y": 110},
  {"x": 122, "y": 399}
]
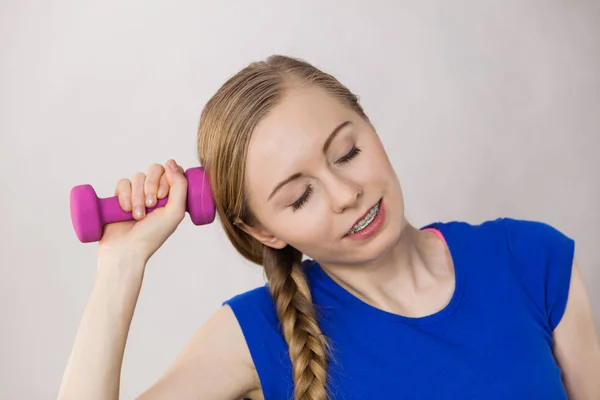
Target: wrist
[{"x": 122, "y": 266}]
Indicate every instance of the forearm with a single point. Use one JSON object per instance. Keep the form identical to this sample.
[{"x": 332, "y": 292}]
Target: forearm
[{"x": 94, "y": 367}]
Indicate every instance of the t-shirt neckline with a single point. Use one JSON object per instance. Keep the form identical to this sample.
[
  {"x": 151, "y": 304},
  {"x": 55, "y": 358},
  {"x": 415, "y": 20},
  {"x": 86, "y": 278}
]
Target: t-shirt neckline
[{"x": 373, "y": 311}]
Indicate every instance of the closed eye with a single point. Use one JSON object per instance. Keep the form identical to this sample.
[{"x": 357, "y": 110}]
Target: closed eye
[
  {"x": 345, "y": 159},
  {"x": 353, "y": 153}
]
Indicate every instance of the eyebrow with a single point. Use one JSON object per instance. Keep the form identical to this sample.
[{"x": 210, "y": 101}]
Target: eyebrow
[{"x": 326, "y": 145}]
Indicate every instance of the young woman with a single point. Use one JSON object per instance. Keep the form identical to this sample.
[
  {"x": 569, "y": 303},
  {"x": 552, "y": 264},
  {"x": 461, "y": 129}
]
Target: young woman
[{"x": 379, "y": 309}]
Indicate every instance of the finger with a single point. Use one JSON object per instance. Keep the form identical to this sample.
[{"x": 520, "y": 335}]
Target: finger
[
  {"x": 137, "y": 195},
  {"x": 163, "y": 187},
  {"x": 176, "y": 204},
  {"x": 123, "y": 193},
  {"x": 151, "y": 183}
]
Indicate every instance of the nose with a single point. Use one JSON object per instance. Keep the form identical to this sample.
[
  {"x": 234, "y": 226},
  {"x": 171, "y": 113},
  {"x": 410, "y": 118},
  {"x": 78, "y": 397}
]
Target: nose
[{"x": 344, "y": 194}]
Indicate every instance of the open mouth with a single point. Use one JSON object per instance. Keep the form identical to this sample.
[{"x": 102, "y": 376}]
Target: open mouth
[{"x": 366, "y": 219}]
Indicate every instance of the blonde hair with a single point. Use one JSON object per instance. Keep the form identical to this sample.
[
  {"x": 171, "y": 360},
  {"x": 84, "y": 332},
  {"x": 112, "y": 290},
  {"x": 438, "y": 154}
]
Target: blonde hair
[{"x": 226, "y": 124}]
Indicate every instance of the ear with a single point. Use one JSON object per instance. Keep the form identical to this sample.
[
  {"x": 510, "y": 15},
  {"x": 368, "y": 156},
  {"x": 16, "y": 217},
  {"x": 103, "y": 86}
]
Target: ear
[{"x": 261, "y": 234}]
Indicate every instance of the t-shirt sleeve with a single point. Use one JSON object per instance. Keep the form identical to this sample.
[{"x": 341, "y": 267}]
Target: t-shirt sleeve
[
  {"x": 257, "y": 317},
  {"x": 542, "y": 259}
]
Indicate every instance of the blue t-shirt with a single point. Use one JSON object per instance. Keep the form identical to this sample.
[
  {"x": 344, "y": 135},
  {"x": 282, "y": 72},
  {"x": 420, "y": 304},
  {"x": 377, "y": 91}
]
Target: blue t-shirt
[{"x": 493, "y": 340}]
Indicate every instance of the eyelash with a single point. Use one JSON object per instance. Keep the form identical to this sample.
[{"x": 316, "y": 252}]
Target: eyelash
[{"x": 302, "y": 200}]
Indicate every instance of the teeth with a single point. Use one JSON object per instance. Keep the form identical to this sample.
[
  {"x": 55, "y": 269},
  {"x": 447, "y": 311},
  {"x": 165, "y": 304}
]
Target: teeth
[{"x": 363, "y": 223}]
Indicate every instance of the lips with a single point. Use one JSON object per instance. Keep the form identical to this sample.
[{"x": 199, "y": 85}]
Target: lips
[{"x": 362, "y": 216}]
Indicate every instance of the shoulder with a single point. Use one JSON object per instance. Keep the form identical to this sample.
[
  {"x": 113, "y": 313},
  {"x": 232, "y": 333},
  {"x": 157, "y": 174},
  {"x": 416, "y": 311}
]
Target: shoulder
[
  {"x": 469, "y": 228},
  {"x": 538, "y": 254},
  {"x": 537, "y": 235},
  {"x": 541, "y": 257},
  {"x": 534, "y": 247},
  {"x": 517, "y": 234},
  {"x": 539, "y": 250},
  {"x": 471, "y": 239},
  {"x": 256, "y": 314},
  {"x": 256, "y": 304}
]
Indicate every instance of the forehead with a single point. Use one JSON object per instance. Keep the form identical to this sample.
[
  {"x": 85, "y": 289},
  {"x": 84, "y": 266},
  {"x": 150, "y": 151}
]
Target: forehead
[
  {"x": 303, "y": 115},
  {"x": 292, "y": 133}
]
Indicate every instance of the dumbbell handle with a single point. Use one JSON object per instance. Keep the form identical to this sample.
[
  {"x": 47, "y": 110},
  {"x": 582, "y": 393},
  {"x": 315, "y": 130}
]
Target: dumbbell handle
[{"x": 112, "y": 212}]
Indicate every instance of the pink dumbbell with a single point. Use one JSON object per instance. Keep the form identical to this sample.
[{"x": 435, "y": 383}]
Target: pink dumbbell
[{"x": 89, "y": 213}]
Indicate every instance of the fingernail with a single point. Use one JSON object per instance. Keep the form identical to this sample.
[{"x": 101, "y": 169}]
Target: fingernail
[
  {"x": 138, "y": 212},
  {"x": 161, "y": 192},
  {"x": 174, "y": 167},
  {"x": 126, "y": 205},
  {"x": 148, "y": 201}
]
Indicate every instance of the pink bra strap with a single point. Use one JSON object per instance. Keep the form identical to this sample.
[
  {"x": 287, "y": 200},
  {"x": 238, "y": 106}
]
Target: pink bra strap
[{"x": 437, "y": 232}]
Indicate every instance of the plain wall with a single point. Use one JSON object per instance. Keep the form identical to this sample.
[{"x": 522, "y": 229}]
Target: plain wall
[{"x": 486, "y": 109}]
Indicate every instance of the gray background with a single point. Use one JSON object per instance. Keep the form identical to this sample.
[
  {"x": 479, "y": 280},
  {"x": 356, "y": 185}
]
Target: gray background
[{"x": 486, "y": 108}]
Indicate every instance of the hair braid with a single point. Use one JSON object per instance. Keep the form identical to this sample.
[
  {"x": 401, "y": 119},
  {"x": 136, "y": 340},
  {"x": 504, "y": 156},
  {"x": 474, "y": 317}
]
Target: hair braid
[{"x": 308, "y": 347}]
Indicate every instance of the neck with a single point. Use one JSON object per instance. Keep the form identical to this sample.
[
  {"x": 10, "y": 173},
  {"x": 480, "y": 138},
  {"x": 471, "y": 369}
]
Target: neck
[{"x": 416, "y": 265}]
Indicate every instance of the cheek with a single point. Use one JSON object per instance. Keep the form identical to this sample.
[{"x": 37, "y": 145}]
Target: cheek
[
  {"x": 312, "y": 228},
  {"x": 373, "y": 167}
]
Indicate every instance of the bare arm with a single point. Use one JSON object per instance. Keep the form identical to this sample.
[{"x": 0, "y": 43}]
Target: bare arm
[
  {"x": 576, "y": 343},
  {"x": 94, "y": 367},
  {"x": 216, "y": 363}
]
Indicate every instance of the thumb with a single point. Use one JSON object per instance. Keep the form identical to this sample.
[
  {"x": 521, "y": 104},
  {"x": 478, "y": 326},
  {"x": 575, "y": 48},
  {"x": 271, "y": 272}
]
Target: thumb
[{"x": 177, "y": 201}]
